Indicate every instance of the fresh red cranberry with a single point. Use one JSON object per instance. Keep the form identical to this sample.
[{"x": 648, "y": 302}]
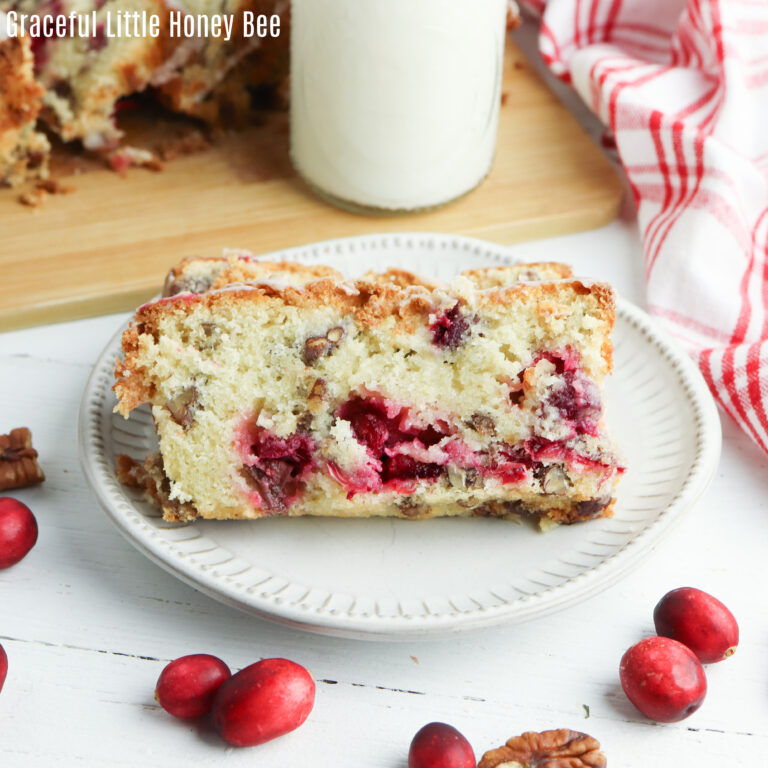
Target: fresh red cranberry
[
  {"x": 3, "y": 666},
  {"x": 187, "y": 685},
  {"x": 263, "y": 701},
  {"x": 278, "y": 466},
  {"x": 663, "y": 679},
  {"x": 439, "y": 745},
  {"x": 450, "y": 328},
  {"x": 699, "y": 621},
  {"x": 18, "y": 531}
]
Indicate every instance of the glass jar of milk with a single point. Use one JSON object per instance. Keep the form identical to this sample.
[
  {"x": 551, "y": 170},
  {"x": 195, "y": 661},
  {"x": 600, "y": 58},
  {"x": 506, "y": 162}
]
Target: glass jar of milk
[{"x": 395, "y": 103}]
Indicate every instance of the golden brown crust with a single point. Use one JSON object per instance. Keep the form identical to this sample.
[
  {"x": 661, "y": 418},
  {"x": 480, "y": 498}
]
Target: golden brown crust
[
  {"x": 580, "y": 511},
  {"x": 21, "y": 96},
  {"x": 552, "y": 294},
  {"x": 150, "y": 478},
  {"x": 606, "y": 300},
  {"x": 244, "y": 270},
  {"x": 572, "y": 512},
  {"x": 238, "y": 267},
  {"x": 370, "y": 302},
  {"x": 402, "y": 278},
  {"x": 23, "y": 151},
  {"x": 499, "y": 276},
  {"x": 131, "y": 387}
]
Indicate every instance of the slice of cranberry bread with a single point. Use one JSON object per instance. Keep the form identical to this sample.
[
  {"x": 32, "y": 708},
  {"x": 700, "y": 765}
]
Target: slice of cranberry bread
[
  {"x": 23, "y": 151},
  {"x": 365, "y": 398}
]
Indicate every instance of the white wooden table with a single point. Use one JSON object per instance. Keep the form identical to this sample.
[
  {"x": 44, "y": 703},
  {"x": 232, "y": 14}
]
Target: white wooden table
[{"x": 88, "y": 622}]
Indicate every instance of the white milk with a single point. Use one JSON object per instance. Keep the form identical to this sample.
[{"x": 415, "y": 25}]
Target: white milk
[{"x": 395, "y": 103}]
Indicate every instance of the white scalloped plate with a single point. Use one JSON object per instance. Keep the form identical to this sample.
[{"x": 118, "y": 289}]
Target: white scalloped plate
[{"x": 394, "y": 579}]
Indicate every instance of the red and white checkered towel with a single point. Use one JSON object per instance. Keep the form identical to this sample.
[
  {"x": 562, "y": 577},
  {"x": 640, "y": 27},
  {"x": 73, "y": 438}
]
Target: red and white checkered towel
[{"x": 683, "y": 86}]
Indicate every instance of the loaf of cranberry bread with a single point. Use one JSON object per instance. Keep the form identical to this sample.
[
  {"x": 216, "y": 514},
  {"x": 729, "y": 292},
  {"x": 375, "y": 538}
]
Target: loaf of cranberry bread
[
  {"x": 82, "y": 78},
  {"x": 215, "y": 79},
  {"x": 369, "y": 398},
  {"x": 23, "y": 150}
]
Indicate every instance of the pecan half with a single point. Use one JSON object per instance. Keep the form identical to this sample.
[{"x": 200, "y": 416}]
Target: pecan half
[
  {"x": 482, "y": 423},
  {"x": 316, "y": 396},
  {"x": 554, "y": 479},
  {"x": 593, "y": 507},
  {"x": 315, "y": 403},
  {"x": 411, "y": 508},
  {"x": 335, "y": 335},
  {"x": 562, "y": 748},
  {"x": 183, "y": 407},
  {"x": 211, "y": 336},
  {"x": 461, "y": 479},
  {"x": 197, "y": 284},
  {"x": 499, "y": 509},
  {"x": 18, "y": 460},
  {"x": 150, "y": 478},
  {"x": 316, "y": 347}
]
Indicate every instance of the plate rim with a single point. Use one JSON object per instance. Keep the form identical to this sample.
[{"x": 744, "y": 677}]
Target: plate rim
[{"x": 589, "y": 582}]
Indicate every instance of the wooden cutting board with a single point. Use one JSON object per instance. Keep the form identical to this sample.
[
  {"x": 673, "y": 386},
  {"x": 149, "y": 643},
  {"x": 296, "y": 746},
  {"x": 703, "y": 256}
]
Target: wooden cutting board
[{"x": 106, "y": 246}]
